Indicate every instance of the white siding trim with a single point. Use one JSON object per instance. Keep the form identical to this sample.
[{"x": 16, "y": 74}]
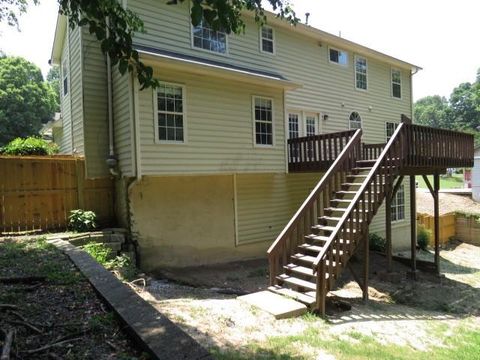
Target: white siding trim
[
  {"x": 262, "y": 146},
  {"x": 155, "y": 116}
]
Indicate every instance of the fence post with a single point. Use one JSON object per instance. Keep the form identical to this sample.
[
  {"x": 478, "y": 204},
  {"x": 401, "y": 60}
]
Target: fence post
[{"x": 79, "y": 170}]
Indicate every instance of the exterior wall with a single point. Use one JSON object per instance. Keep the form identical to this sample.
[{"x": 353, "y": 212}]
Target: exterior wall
[
  {"x": 66, "y": 143},
  {"x": 57, "y": 134},
  {"x": 76, "y": 91},
  {"x": 219, "y": 123},
  {"x": 123, "y": 123},
  {"x": 95, "y": 97},
  {"x": 476, "y": 176}
]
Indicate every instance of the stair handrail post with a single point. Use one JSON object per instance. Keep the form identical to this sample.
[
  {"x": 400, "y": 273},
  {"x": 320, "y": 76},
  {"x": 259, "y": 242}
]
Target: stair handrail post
[{"x": 357, "y": 196}]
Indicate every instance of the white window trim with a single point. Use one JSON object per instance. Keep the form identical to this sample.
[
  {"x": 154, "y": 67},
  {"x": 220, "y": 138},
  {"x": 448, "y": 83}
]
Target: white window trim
[
  {"x": 391, "y": 83},
  {"x": 355, "y": 71},
  {"x": 65, "y": 76},
  {"x": 389, "y": 122},
  {"x": 273, "y": 40},
  {"x": 155, "y": 116},
  {"x": 402, "y": 186},
  {"x": 337, "y": 63},
  {"x": 263, "y": 146},
  {"x": 350, "y": 121},
  {"x": 317, "y": 122},
  {"x": 227, "y": 45},
  {"x": 300, "y": 121}
]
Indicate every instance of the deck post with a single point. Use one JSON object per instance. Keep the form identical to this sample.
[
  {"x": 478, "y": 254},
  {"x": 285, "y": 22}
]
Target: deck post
[
  {"x": 388, "y": 230},
  {"x": 413, "y": 225},
  {"x": 436, "y": 214},
  {"x": 366, "y": 267}
]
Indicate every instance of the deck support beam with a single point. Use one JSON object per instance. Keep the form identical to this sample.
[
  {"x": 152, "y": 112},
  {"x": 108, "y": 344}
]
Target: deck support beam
[
  {"x": 436, "y": 214},
  {"x": 366, "y": 267},
  {"x": 413, "y": 225}
]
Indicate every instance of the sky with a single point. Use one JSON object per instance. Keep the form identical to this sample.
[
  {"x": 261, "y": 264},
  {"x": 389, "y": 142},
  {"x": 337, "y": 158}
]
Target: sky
[{"x": 441, "y": 36}]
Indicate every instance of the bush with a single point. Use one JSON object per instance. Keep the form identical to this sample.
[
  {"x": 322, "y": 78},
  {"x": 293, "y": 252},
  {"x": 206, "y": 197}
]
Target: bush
[
  {"x": 29, "y": 146},
  {"x": 376, "y": 242},
  {"x": 99, "y": 252},
  {"x": 82, "y": 220},
  {"x": 423, "y": 236}
]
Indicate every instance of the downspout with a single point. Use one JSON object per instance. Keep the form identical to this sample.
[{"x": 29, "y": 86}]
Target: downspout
[{"x": 111, "y": 160}]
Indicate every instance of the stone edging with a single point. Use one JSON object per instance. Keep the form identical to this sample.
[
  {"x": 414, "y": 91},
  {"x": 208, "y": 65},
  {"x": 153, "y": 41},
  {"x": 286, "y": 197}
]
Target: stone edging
[{"x": 153, "y": 331}]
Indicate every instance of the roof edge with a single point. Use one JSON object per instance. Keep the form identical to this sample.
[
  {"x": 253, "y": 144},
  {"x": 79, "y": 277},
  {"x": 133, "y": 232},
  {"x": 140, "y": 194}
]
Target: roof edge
[{"x": 58, "y": 39}]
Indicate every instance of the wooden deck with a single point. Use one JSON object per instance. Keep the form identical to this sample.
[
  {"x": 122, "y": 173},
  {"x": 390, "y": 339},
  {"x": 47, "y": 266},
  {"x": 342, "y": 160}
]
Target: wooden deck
[{"x": 425, "y": 150}]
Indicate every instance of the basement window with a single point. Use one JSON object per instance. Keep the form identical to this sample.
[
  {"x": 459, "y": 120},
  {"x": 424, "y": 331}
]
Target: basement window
[
  {"x": 398, "y": 205},
  {"x": 263, "y": 117},
  {"x": 170, "y": 113}
]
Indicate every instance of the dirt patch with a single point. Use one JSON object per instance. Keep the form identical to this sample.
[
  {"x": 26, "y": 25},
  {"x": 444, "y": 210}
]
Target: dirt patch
[
  {"x": 447, "y": 203},
  {"x": 57, "y": 315},
  {"x": 395, "y": 312}
]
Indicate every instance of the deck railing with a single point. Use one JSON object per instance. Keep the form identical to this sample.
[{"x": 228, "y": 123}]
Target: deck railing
[{"x": 318, "y": 152}]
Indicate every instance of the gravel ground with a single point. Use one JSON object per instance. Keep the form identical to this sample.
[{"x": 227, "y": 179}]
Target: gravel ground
[{"x": 447, "y": 203}]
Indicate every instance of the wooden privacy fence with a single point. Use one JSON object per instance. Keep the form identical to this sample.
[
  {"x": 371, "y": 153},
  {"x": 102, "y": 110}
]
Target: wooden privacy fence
[
  {"x": 447, "y": 226},
  {"x": 38, "y": 192},
  {"x": 468, "y": 229}
]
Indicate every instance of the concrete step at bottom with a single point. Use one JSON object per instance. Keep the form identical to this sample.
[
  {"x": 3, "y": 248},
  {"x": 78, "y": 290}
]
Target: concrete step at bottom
[{"x": 278, "y": 305}]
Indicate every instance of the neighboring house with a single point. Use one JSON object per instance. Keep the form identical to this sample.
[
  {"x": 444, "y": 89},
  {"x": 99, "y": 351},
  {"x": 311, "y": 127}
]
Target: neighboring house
[
  {"x": 202, "y": 161},
  {"x": 476, "y": 176},
  {"x": 213, "y": 164}
]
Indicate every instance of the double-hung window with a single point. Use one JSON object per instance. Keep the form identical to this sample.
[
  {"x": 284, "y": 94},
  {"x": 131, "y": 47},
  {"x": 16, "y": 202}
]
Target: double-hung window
[
  {"x": 267, "y": 40},
  {"x": 293, "y": 125},
  {"x": 170, "y": 113},
  {"x": 204, "y": 37},
  {"x": 310, "y": 125},
  {"x": 396, "y": 83},
  {"x": 398, "y": 205},
  {"x": 390, "y": 129},
  {"x": 65, "y": 77},
  {"x": 263, "y": 118},
  {"x": 361, "y": 73},
  {"x": 338, "y": 56}
]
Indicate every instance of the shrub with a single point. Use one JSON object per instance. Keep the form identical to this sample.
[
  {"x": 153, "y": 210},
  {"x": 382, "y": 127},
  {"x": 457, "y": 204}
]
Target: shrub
[
  {"x": 82, "y": 220},
  {"x": 423, "y": 236},
  {"x": 99, "y": 252},
  {"x": 29, "y": 146},
  {"x": 376, "y": 242}
]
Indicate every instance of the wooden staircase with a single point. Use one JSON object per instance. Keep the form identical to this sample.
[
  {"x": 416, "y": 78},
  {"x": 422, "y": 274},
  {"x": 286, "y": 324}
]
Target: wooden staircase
[{"x": 315, "y": 247}]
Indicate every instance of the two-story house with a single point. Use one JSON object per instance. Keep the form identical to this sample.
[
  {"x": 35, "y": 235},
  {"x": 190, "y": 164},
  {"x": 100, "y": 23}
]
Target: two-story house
[{"x": 202, "y": 160}]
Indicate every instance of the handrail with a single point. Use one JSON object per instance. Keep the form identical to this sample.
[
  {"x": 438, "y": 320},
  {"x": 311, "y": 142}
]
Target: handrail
[
  {"x": 313, "y": 194},
  {"x": 357, "y": 196}
]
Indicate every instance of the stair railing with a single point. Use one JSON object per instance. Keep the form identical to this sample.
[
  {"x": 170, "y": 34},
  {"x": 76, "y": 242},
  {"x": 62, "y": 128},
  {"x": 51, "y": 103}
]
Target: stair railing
[
  {"x": 313, "y": 207},
  {"x": 354, "y": 221}
]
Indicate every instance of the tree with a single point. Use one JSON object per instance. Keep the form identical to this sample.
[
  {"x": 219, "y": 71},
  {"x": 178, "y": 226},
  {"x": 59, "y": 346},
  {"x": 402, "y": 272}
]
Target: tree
[
  {"x": 433, "y": 111},
  {"x": 53, "y": 79},
  {"x": 115, "y": 26},
  {"x": 26, "y": 101},
  {"x": 465, "y": 105}
]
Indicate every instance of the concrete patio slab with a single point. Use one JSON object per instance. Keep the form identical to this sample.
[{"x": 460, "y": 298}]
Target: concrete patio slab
[{"x": 277, "y": 305}]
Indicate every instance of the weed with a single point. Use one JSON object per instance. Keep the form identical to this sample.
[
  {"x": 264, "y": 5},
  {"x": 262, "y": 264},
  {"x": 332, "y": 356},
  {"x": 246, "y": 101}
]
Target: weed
[
  {"x": 81, "y": 220},
  {"x": 99, "y": 252}
]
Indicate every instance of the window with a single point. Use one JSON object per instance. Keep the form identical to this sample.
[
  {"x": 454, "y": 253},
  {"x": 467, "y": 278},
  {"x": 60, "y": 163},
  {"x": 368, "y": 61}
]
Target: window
[
  {"x": 65, "y": 77},
  {"x": 355, "y": 121},
  {"x": 338, "y": 56},
  {"x": 293, "y": 126},
  {"x": 310, "y": 125},
  {"x": 204, "y": 37},
  {"x": 170, "y": 122},
  {"x": 263, "y": 115},
  {"x": 267, "y": 40},
  {"x": 361, "y": 73},
  {"x": 390, "y": 129},
  {"x": 398, "y": 205},
  {"x": 396, "y": 84}
]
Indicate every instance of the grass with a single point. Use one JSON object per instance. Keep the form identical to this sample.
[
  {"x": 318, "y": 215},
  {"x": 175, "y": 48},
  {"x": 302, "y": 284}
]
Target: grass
[
  {"x": 464, "y": 345},
  {"x": 453, "y": 182}
]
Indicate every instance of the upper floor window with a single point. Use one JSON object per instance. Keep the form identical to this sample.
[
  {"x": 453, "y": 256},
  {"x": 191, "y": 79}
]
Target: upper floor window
[
  {"x": 390, "y": 129},
  {"x": 267, "y": 40},
  {"x": 170, "y": 101},
  {"x": 204, "y": 37},
  {"x": 360, "y": 73},
  {"x": 65, "y": 77},
  {"x": 263, "y": 118},
  {"x": 398, "y": 205},
  {"x": 396, "y": 83},
  {"x": 355, "y": 121},
  {"x": 338, "y": 56}
]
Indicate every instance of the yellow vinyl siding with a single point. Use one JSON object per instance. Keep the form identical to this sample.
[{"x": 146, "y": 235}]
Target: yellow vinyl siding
[
  {"x": 76, "y": 94},
  {"x": 219, "y": 129},
  {"x": 66, "y": 141},
  {"x": 95, "y": 105},
  {"x": 122, "y": 114}
]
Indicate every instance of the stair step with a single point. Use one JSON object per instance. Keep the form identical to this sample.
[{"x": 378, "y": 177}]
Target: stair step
[
  {"x": 309, "y": 247},
  {"x": 299, "y": 269},
  {"x": 323, "y": 227},
  {"x": 297, "y": 282},
  {"x": 303, "y": 298},
  {"x": 362, "y": 168},
  {"x": 323, "y": 239},
  {"x": 307, "y": 259},
  {"x": 366, "y": 161},
  {"x": 334, "y": 218},
  {"x": 357, "y": 176}
]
